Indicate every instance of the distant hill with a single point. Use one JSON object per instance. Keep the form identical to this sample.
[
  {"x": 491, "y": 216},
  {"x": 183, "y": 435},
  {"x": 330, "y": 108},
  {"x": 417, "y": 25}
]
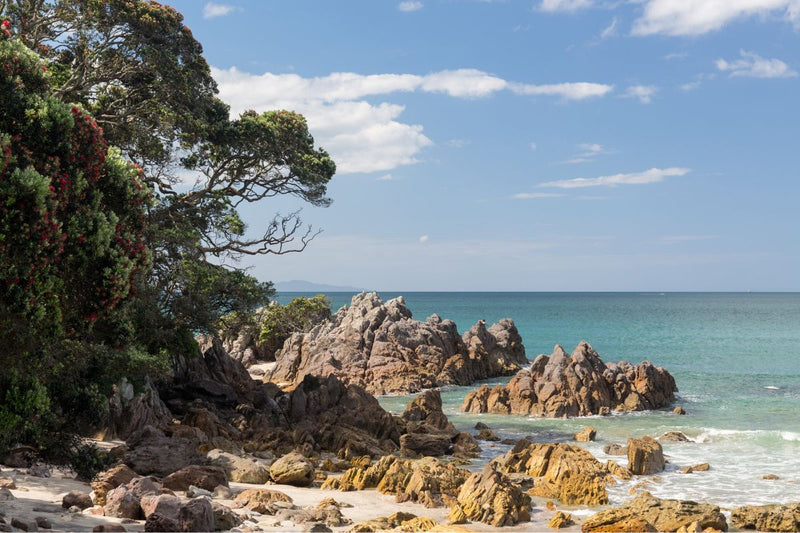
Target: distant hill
[{"x": 298, "y": 285}]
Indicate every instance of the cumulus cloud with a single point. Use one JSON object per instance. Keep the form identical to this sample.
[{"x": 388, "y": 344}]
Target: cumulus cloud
[
  {"x": 653, "y": 175},
  {"x": 589, "y": 151},
  {"x": 568, "y": 6},
  {"x": 212, "y": 10},
  {"x": 364, "y": 136},
  {"x": 407, "y": 7},
  {"x": 754, "y": 66},
  {"x": 424, "y": 239},
  {"x": 696, "y": 17},
  {"x": 643, "y": 92},
  {"x": 536, "y": 195}
]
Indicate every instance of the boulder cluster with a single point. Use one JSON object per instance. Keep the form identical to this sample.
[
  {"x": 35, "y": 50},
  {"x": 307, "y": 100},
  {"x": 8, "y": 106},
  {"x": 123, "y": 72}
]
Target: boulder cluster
[{"x": 580, "y": 384}]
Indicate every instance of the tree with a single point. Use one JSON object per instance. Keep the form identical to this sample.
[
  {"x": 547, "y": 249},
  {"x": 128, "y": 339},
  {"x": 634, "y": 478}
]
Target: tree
[
  {"x": 278, "y": 322},
  {"x": 72, "y": 243}
]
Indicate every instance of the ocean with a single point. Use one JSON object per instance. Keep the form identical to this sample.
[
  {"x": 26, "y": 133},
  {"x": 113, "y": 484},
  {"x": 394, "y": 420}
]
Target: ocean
[{"x": 735, "y": 358}]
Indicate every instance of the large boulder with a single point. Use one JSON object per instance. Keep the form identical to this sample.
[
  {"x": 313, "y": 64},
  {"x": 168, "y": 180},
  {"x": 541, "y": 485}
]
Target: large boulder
[
  {"x": 380, "y": 347},
  {"x": 240, "y": 469},
  {"x": 196, "y": 515},
  {"x": 152, "y": 452},
  {"x": 204, "y": 477},
  {"x": 429, "y": 432},
  {"x": 489, "y": 497},
  {"x": 658, "y": 514},
  {"x": 292, "y": 469},
  {"x": 260, "y": 500},
  {"x": 122, "y": 502},
  {"x": 129, "y": 412},
  {"x": 106, "y": 481},
  {"x": 580, "y": 384},
  {"x": 563, "y": 471},
  {"x": 645, "y": 456},
  {"x": 767, "y": 517}
]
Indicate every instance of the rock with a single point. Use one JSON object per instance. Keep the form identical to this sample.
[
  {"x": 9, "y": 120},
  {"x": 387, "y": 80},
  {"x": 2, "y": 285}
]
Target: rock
[
  {"x": 384, "y": 523},
  {"x": 113, "y": 528},
  {"x": 25, "y": 524},
  {"x": 615, "y": 449},
  {"x": 221, "y": 492},
  {"x": 158, "y": 522},
  {"x": 380, "y": 347},
  {"x": 425, "y": 444},
  {"x": 94, "y": 510},
  {"x": 129, "y": 412},
  {"x": 76, "y": 498},
  {"x": 489, "y": 497},
  {"x": 770, "y": 476},
  {"x": 224, "y": 517},
  {"x": 43, "y": 522},
  {"x": 645, "y": 456},
  {"x": 487, "y": 435},
  {"x": 481, "y": 426},
  {"x": 151, "y": 452},
  {"x": 196, "y": 492},
  {"x": 566, "y": 472},
  {"x": 292, "y": 469},
  {"x": 197, "y": 515},
  {"x": 240, "y": 469},
  {"x": 656, "y": 515},
  {"x": 20, "y": 457},
  {"x": 428, "y": 430},
  {"x": 674, "y": 436},
  {"x": 123, "y": 503},
  {"x": 679, "y": 411},
  {"x": 702, "y": 467},
  {"x": 560, "y": 520},
  {"x": 7, "y": 483},
  {"x": 767, "y": 517},
  {"x": 109, "y": 480},
  {"x": 6, "y": 496},
  {"x": 587, "y": 434},
  {"x": 39, "y": 471},
  {"x": 243, "y": 341},
  {"x": 165, "y": 505},
  {"x": 204, "y": 477},
  {"x": 260, "y": 500},
  {"x": 580, "y": 384}
]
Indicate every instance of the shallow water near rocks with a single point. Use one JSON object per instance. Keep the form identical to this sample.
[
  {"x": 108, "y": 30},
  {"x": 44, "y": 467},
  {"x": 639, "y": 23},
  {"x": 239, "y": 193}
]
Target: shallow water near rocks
[{"x": 734, "y": 356}]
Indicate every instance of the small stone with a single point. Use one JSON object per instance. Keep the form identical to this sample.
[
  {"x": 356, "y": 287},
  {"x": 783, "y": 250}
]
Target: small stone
[
  {"x": 615, "y": 449},
  {"x": 587, "y": 434},
  {"x": 194, "y": 492},
  {"x": 550, "y": 505},
  {"x": 74, "y": 509},
  {"x": 6, "y": 496},
  {"x": 316, "y": 527},
  {"x": 560, "y": 520},
  {"x": 95, "y": 510},
  {"x": 108, "y": 528},
  {"x": 78, "y": 499},
  {"x": 770, "y": 476},
  {"x": 7, "y": 483},
  {"x": 222, "y": 492},
  {"x": 43, "y": 522},
  {"x": 481, "y": 426},
  {"x": 39, "y": 471},
  {"x": 25, "y": 524},
  {"x": 679, "y": 410}
]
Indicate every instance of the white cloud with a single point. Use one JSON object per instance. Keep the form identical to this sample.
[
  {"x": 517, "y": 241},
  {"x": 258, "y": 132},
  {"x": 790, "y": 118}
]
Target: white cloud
[
  {"x": 568, "y": 6},
  {"x": 568, "y": 91},
  {"x": 678, "y": 239},
  {"x": 591, "y": 148},
  {"x": 536, "y": 195},
  {"x": 212, "y": 10},
  {"x": 696, "y": 17},
  {"x": 653, "y": 175},
  {"x": 610, "y": 30},
  {"x": 589, "y": 151},
  {"x": 458, "y": 143},
  {"x": 424, "y": 239},
  {"x": 691, "y": 86},
  {"x": 533, "y": 146},
  {"x": 407, "y": 7},
  {"x": 752, "y": 65},
  {"x": 362, "y": 136},
  {"x": 386, "y": 177},
  {"x": 643, "y": 92}
]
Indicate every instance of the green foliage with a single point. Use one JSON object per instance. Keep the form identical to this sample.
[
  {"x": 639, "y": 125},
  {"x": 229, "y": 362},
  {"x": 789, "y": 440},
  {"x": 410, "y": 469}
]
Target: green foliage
[
  {"x": 278, "y": 322},
  {"x": 87, "y": 461}
]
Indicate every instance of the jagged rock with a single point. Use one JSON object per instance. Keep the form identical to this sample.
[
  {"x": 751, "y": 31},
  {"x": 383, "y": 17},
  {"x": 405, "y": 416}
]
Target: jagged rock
[
  {"x": 383, "y": 523},
  {"x": 379, "y": 347},
  {"x": 564, "y": 471},
  {"x": 260, "y": 500},
  {"x": 76, "y": 498},
  {"x": 489, "y": 497},
  {"x": 110, "y": 479},
  {"x": 645, "y": 456},
  {"x": 165, "y": 505},
  {"x": 158, "y": 522},
  {"x": 429, "y": 432},
  {"x": 129, "y": 412},
  {"x": 224, "y": 517},
  {"x": 123, "y": 503},
  {"x": 43, "y": 522},
  {"x": 587, "y": 434},
  {"x": 243, "y": 342},
  {"x": 679, "y": 410},
  {"x": 7, "y": 483},
  {"x": 767, "y": 517},
  {"x": 39, "y": 471},
  {"x": 661, "y": 515},
  {"x": 580, "y": 384},
  {"x": 560, "y": 520},
  {"x": 24, "y": 524},
  {"x": 196, "y": 515},
  {"x": 152, "y": 452},
  {"x": 292, "y": 469},
  {"x": 702, "y": 467},
  {"x": 205, "y": 477},
  {"x": 615, "y": 449},
  {"x": 425, "y": 444},
  {"x": 674, "y": 436},
  {"x": 487, "y": 435},
  {"x": 239, "y": 469}
]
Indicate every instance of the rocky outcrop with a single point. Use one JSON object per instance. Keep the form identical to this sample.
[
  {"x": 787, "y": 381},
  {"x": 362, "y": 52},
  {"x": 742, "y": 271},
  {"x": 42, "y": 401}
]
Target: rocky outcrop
[
  {"x": 428, "y": 432},
  {"x": 490, "y": 497},
  {"x": 767, "y": 517},
  {"x": 108, "y": 480},
  {"x": 380, "y": 347},
  {"x": 292, "y": 469},
  {"x": 645, "y": 456},
  {"x": 241, "y": 340},
  {"x": 204, "y": 477},
  {"x": 240, "y": 469},
  {"x": 660, "y": 515},
  {"x": 581, "y": 384},
  {"x": 129, "y": 412},
  {"x": 562, "y": 471}
]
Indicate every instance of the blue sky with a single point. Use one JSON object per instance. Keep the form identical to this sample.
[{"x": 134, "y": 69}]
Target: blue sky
[{"x": 647, "y": 145}]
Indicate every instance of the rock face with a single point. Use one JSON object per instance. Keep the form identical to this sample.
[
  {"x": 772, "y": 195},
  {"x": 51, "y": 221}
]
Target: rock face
[
  {"x": 659, "y": 515},
  {"x": 129, "y": 412},
  {"x": 489, "y": 497},
  {"x": 428, "y": 432},
  {"x": 563, "y": 471},
  {"x": 204, "y": 477},
  {"x": 645, "y": 456},
  {"x": 767, "y": 517},
  {"x": 581, "y": 384},
  {"x": 380, "y": 347}
]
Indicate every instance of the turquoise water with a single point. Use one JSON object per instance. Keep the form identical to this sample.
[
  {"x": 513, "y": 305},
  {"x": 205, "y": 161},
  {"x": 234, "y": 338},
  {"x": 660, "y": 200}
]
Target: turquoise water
[{"x": 735, "y": 358}]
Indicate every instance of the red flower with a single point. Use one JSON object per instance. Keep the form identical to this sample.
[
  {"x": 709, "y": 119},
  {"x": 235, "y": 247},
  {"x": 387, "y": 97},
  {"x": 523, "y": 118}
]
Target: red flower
[{"x": 6, "y": 24}]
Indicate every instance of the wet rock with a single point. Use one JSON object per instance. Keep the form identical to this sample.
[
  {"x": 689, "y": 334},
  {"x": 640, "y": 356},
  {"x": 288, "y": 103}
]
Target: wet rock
[
  {"x": 579, "y": 384},
  {"x": 767, "y": 517},
  {"x": 674, "y": 436},
  {"x": 380, "y": 347},
  {"x": 587, "y": 434},
  {"x": 76, "y": 498},
  {"x": 490, "y": 497},
  {"x": 240, "y": 469},
  {"x": 429, "y": 432},
  {"x": 292, "y": 469},
  {"x": 702, "y": 467},
  {"x": 204, "y": 477},
  {"x": 615, "y": 449},
  {"x": 661, "y": 515},
  {"x": 645, "y": 456},
  {"x": 487, "y": 435},
  {"x": 770, "y": 476},
  {"x": 679, "y": 410},
  {"x": 260, "y": 500},
  {"x": 560, "y": 520}
]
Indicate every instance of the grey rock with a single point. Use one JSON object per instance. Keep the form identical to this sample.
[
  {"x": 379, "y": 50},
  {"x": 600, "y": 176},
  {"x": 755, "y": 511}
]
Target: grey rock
[
  {"x": 39, "y": 471},
  {"x": 6, "y": 496},
  {"x": 78, "y": 499},
  {"x": 197, "y": 515},
  {"x": 194, "y": 492},
  {"x": 25, "y": 524},
  {"x": 43, "y": 522}
]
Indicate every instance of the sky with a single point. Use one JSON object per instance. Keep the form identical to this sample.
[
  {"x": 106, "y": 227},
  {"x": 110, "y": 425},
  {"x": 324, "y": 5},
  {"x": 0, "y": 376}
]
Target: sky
[{"x": 545, "y": 145}]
